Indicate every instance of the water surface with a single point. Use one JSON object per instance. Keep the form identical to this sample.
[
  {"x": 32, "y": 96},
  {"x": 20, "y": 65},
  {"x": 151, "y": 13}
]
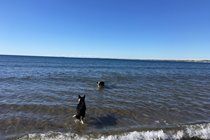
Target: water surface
[{"x": 38, "y": 95}]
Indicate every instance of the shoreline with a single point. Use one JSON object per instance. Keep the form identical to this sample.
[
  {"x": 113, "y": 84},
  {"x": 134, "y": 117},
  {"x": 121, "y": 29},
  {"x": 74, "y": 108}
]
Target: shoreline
[{"x": 196, "y": 131}]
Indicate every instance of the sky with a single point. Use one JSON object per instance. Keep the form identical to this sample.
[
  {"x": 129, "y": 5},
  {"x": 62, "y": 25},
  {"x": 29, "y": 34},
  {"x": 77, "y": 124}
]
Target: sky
[{"x": 129, "y": 29}]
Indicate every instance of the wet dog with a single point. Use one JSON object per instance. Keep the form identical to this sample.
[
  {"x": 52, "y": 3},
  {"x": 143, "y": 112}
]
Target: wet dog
[
  {"x": 81, "y": 109},
  {"x": 100, "y": 84}
]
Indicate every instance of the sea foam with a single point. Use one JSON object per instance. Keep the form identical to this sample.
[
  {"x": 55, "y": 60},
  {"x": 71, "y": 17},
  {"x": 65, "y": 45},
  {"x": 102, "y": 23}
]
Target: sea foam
[{"x": 188, "y": 131}]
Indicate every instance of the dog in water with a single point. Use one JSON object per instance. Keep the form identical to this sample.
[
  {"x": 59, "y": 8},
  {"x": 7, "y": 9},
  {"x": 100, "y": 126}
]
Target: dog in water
[
  {"x": 100, "y": 84},
  {"x": 81, "y": 108}
]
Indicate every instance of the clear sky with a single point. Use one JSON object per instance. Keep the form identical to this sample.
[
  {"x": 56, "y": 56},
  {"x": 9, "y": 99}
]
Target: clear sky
[{"x": 133, "y": 29}]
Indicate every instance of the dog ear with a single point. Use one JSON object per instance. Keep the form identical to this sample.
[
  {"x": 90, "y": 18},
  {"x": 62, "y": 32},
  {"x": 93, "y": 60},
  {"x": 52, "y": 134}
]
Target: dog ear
[
  {"x": 84, "y": 96},
  {"x": 79, "y": 96}
]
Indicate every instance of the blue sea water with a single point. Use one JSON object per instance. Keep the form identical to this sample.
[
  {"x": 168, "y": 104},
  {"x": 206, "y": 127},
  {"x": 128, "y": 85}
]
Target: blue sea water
[{"x": 141, "y": 99}]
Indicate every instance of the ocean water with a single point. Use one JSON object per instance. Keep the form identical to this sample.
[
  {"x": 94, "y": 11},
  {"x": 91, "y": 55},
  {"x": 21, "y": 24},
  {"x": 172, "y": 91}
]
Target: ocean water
[{"x": 141, "y": 99}]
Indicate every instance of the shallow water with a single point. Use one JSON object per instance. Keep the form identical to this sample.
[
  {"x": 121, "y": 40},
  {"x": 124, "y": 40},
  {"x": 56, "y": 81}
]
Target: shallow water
[{"x": 38, "y": 97}]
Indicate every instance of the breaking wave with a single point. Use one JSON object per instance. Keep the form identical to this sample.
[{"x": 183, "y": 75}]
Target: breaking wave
[{"x": 198, "y": 131}]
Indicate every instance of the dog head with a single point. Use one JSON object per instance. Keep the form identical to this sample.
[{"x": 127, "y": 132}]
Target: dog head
[
  {"x": 100, "y": 84},
  {"x": 81, "y": 99}
]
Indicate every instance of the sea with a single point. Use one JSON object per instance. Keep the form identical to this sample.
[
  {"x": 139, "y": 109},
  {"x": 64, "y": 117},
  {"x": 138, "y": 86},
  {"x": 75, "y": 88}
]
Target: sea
[{"x": 141, "y": 100}]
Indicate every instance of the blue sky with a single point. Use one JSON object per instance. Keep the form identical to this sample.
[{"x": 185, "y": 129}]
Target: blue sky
[{"x": 133, "y": 29}]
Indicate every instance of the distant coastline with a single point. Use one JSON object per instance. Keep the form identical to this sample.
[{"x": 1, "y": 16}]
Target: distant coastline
[
  {"x": 198, "y": 61},
  {"x": 170, "y": 60}
]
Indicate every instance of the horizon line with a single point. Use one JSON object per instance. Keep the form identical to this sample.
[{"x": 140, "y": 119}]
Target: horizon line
[{"x": 80, "y": 57}]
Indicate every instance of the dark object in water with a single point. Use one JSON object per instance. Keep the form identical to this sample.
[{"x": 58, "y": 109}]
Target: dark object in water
[
  {"x": 81, "y": 108},
  {"x": 100, "y": 84}
]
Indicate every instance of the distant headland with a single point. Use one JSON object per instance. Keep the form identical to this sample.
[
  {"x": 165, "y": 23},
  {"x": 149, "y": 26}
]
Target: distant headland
[{"x": 200, "y": 61}]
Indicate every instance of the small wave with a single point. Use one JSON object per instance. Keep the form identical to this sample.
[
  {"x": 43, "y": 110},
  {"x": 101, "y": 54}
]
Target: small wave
[
  {"x": 199, "y": 131},
  {"x": 17, "y": 78}
]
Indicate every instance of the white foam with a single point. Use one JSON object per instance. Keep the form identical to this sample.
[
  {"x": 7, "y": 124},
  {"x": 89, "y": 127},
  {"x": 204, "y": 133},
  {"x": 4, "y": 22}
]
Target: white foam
[
  {"x": 198, "y": 130},
  {"x": 54, "y": 136},
  {"x": 178, "y": 135},
  {"x": 148, "y": 135}
]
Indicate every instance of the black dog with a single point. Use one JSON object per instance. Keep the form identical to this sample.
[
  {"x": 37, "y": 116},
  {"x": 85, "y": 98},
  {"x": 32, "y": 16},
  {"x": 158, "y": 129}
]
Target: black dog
[
  {"x": 81, "y": 108},
  {"x": 100, "y": 84}
]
